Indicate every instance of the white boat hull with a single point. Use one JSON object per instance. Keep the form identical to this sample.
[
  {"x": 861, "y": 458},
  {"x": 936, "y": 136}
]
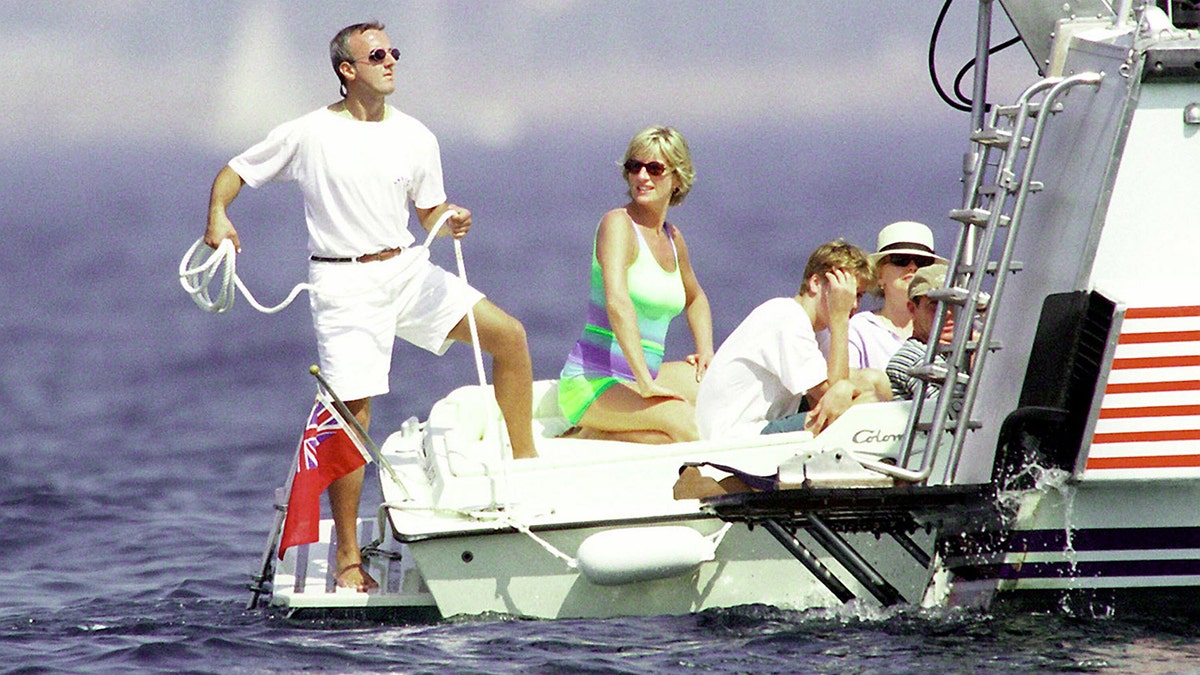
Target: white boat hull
[
  {"x": 1112, "y": 536},
  {"x": 511, "y": 574},
  {"x": 472, "y": 534}
]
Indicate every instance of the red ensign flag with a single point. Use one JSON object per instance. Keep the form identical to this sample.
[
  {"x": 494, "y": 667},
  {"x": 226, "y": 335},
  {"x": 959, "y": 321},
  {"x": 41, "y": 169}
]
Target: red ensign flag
[{"x": 328, "y": 450}]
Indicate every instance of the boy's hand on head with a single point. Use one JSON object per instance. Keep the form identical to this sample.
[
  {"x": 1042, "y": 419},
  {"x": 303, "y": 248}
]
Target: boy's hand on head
[{"x": 842, "y": 295}]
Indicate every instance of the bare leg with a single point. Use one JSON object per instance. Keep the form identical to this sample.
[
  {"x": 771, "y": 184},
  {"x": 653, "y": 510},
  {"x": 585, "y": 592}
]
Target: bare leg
[
  {"x": 679, "y": 376},
  {"x": 620, "y": 413},
  {"x": 503, "y": 337},
  {"x": 634, "y": 436},
  {"x": 344, "y": 496}
]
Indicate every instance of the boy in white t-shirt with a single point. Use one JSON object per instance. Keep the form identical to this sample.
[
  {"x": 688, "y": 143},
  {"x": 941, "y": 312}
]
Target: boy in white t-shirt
[{"x": 770, "y": 365}]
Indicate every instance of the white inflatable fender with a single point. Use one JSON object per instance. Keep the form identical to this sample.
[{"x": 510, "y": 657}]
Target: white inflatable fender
[{"x": 625, "y": 556}]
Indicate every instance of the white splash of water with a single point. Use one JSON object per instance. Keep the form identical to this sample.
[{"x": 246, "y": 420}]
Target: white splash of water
[{"x": 1028, "y": 501}]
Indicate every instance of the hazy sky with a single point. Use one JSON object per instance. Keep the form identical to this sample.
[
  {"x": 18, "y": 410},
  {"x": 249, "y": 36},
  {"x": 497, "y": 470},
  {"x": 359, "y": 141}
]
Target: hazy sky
[
  {"x": 808, "y": 120},
  {"x": 215, "y": 74}
]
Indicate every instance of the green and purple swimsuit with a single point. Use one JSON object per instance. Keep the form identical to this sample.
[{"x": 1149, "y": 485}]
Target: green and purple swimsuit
[{"x": 597, "y": 362}]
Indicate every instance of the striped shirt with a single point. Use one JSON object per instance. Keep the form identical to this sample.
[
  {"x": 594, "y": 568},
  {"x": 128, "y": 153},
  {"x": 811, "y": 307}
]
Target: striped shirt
[{"x": 910, "y": 354}]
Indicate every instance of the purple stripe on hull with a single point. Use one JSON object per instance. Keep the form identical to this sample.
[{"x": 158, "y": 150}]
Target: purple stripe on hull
[
  {"x": 1098, "y": 569},
  {"x": 1107, "y": 539},
  {"x": 1148, "y": 539}
]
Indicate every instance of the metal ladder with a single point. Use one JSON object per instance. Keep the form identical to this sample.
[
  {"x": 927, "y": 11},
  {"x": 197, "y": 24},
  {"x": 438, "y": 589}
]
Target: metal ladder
[{"x": 1005, "y": 154}]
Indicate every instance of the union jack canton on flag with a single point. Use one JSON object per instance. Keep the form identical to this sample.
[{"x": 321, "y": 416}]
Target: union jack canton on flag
[{"x": 328, "y": 450}]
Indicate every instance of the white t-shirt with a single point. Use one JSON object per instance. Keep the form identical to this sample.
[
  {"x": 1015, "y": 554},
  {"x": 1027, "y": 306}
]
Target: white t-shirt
[
  {"x": 357, "y": 177},
  {"x": 870, "y": 343},
  {"x": 760, "y": 372}
]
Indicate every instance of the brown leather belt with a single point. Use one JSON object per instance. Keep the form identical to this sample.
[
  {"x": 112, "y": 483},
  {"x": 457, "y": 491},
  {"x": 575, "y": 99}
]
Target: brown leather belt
[{"x": 385, "y": 254}]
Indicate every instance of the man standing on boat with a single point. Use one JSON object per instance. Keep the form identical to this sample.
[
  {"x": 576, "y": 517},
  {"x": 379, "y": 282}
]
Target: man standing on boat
[{"x": 358, "y": 163}]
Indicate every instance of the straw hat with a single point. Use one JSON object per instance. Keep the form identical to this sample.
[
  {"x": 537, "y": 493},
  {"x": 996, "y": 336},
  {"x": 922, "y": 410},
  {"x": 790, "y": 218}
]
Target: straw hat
[{"x": 908, "y": 237}]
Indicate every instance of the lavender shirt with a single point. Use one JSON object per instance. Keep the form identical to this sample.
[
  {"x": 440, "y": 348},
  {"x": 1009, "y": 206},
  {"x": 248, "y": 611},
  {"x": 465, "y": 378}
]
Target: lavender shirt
[{"x": 871, "y": 342}]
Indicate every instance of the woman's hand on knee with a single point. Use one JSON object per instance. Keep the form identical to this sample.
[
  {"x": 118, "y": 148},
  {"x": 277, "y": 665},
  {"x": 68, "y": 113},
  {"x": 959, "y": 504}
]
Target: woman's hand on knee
[{"x": 655, "y": 390}]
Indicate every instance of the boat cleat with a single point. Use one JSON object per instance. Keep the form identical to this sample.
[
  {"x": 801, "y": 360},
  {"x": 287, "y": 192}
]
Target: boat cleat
[{"x": 828, "y": 467}]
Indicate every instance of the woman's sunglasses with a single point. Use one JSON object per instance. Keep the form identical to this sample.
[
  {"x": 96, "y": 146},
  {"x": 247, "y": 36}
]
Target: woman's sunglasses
[
  {"x": 378, "y": 55},
  {"x": 903, "y": 260},
  {"x": 652, "y": 168}
]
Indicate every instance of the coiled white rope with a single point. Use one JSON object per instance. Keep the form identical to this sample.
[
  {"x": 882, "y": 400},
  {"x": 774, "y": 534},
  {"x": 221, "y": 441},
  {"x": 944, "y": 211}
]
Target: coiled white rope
[{"x": 196, "y": 276}]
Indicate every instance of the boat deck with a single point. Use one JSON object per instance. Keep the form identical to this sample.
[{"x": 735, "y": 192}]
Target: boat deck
[{"x": 305, "y": 578}]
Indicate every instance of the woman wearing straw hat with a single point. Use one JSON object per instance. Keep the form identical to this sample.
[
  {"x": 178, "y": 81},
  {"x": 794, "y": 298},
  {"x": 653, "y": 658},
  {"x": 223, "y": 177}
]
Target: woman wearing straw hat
[{"x": 902, "y": 248}]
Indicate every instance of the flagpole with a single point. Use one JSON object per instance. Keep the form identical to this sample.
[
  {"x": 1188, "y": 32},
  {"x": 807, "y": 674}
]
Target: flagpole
[
  {"x": 282, "y": 496},
  {"x": 362, "y": 433}
]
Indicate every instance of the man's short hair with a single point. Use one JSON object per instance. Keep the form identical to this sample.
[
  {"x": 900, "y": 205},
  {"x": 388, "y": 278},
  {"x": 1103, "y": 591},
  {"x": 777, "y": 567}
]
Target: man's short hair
[
  {"x": 339, "y": 46},
  {"x": 838, "y": 254}
]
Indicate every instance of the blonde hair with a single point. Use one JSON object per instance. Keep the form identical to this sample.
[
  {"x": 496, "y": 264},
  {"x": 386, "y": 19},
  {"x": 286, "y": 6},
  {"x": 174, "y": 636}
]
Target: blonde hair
[
  {"x": 670, "y": 144},
  {"x": 838, "y": 254},
  {"x": 875, "y": 287}
]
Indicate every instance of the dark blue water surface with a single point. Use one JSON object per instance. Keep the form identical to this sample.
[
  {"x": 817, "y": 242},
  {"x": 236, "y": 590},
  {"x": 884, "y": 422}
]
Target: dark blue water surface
[{"x": 144, "y": 438}]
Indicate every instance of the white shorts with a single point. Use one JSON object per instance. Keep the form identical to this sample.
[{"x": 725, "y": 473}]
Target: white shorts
[{"x": 359, "y": 308}]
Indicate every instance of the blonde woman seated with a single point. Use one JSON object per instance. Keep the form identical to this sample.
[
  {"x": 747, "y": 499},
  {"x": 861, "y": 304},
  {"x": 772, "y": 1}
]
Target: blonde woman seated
[{"x": 615, "y": 385}]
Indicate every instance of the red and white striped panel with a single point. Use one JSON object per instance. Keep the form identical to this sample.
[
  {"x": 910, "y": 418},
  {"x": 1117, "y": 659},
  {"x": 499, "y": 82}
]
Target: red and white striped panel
[{"x": 1149, "y": 424}]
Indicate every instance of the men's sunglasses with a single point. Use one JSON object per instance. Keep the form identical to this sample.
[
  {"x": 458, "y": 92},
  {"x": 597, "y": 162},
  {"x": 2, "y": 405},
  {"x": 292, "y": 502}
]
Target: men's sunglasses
[
  {"x": 652, "y": 168},
  {"x": 903, "y": 260},
  {"x": 378, "y": 55}
]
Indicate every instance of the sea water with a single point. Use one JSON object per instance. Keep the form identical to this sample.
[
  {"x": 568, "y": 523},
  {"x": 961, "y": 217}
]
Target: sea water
[{"x": 144, "y": 440}]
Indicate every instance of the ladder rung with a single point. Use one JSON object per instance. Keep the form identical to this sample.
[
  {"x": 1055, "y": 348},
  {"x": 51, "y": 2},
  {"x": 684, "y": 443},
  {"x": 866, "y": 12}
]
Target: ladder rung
[
  {"x": 976, "y": 216},
  {"x": 993, "y": 346},
  {"x": 1010, "y": 182},
  {"x": 926, "y": 426},
  {"x": 1032, "y": 109},
  {"x": 935, "y": 373},
  {"x": 991, "y": 136},
  {"x": 1013, "y": 266},
  {"x": 971, "y": 346},
  {"x": 971, "y": 424},
  {"x": 959, "y": 296},
  {"x": 997, "y": 138},
  {"x": 953, "y": 295}
]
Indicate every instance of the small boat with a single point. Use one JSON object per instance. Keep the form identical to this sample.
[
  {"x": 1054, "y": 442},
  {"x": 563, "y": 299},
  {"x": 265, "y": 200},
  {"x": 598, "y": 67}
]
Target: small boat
[
  {"x": 1065, "y": 458},
  {"x": 592, "y": 528}
]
